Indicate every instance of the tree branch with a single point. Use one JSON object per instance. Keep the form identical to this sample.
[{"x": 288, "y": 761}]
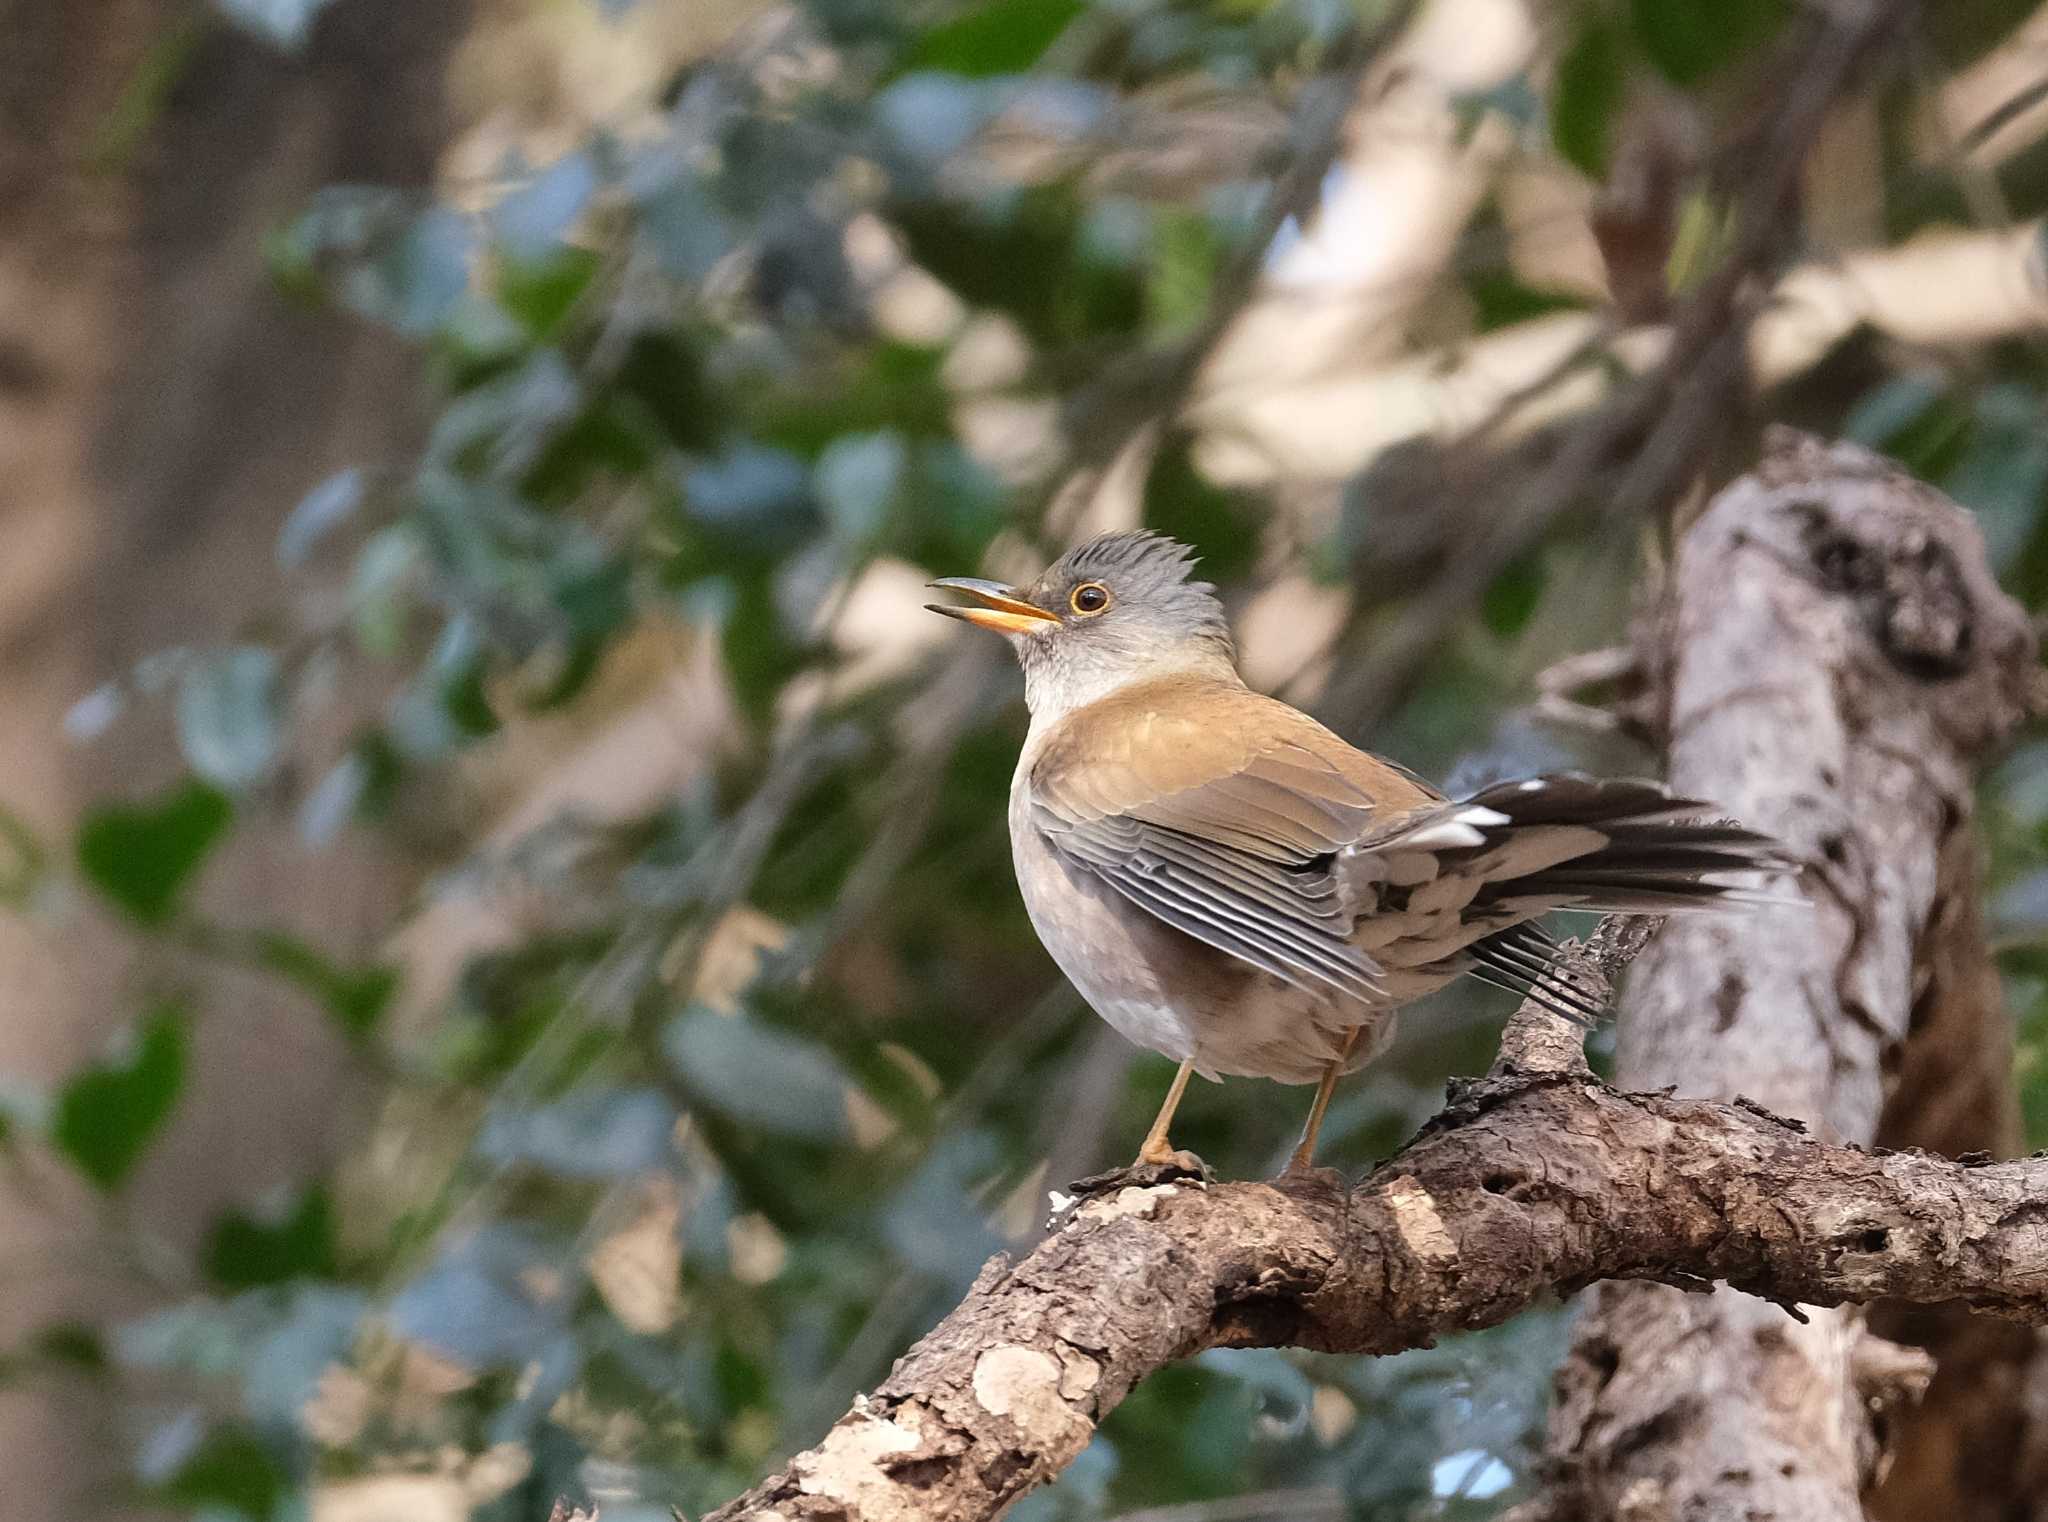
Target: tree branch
[{"x": 1527, "y": 1184}]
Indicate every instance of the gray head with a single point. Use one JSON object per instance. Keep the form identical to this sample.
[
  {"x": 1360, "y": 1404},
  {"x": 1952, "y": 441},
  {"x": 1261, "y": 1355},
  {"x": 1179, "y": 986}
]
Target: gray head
[{"x": 1120, "y": 608}]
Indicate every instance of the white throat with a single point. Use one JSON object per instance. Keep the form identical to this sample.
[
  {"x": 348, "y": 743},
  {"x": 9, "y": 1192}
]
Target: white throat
[{"x": 1072, "y": 676}]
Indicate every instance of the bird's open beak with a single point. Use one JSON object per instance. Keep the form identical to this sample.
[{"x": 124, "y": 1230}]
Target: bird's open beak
[{"x": 1006, "y": 612}]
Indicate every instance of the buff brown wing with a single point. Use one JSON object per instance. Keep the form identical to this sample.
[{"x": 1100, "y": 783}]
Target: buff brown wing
[{"x": 1222, "y": 813}]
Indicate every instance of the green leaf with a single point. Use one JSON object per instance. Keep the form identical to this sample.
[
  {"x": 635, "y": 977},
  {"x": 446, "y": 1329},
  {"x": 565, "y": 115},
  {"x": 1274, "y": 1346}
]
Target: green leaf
[
  {"x": 245, "y": 1251},
  {"x": 467, "y": 703},
  {"x": 1025, "y": 257},
  {"x": 2002, "y": 473},
  {"x": 73, "y": 1344},
  {"x": 1687, "y": 40},
  {"x": 666, "y": 376},
  {"x": 1893, "y": 407},
  {"x": 1591, "y": 77},
  {"x": 1223, "y": 526},
  {"x": 387, "y": 568},
  {"x": 228, "y": 718},
  {"x": 761, "y": 654},
  {"x": 760, "y": 1075},
  {"x": 1186, "y": 254},
  {"x": 142, "y": 856},
  {"x": 1917, "y": 420},
  {"x": 541, "y": 289},
  {"x": 107, "y": 1116},
  {"x": 317, "y": 514},
  {"x": 1512, "y": 599},
  {"x": 355, "y": 996},
  {"x": 1006, "y": 37},
  {"x": 1500, "y": 300},
  {"x": 1703, "y": 239},
  {"x": 231, "y": 1468}
]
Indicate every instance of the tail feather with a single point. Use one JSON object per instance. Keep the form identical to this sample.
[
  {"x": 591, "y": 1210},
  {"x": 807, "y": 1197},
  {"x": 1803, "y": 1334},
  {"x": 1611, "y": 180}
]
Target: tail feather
[
  {"x": 1645, "y": 842},
  {"x": 1649, "y": 852},
  {"x": 1514, "y": 851},
  {"x": 1523, "y": 960},
  {"x": 1574, "y": 798}
]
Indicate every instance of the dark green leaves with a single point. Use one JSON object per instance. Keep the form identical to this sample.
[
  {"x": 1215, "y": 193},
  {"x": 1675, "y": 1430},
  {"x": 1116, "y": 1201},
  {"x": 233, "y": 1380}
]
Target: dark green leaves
[
  {"x": 245, "y": 1251},
  {"x": 71, "y": 1344},
  {"x": 1511, "y": 600},
  {"x": 1034, "y": 258},
  {"x": 1004, "y": 37},
  {"x": 541, "y": 289},
  {"x": 355, "y": 996},
  {"x": 1223, "y": 526},
  {"x": 107, "y": 1115},
  {"x": 1688, "y": 40},
  {"x": 227, "y": 1469},
  {"x": 142, "y": 856},
  {"x": 1591, "y": 79}
]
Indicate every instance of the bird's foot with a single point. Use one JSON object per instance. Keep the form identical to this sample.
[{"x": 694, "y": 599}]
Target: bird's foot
[
  {"x": 1302, "y": 1176},
  {"x": 1146, "y": 1173}
]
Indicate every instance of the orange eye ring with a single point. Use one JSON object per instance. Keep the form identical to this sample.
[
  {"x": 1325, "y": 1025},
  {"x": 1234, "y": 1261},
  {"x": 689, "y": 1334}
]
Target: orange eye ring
[{"x": 1089, "y": 599}]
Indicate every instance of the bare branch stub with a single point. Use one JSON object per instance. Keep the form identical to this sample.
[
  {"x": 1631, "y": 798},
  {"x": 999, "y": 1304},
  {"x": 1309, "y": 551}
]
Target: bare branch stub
[{"x": 1539, "y": 1040}]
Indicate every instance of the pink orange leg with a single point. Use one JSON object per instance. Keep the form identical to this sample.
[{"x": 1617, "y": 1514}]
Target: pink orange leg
[
  {"x": 1157, "y": 1149},
  {"x": 1305, "y": 1151}
]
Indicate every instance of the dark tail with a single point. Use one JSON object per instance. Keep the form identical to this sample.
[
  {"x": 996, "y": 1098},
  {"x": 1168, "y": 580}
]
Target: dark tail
[{"x": 1572, "y": 841}]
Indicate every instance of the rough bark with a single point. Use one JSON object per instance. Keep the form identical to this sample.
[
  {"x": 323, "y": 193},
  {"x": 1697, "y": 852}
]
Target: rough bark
[
  {"x": 1538, "y": 1179},
  {"x": 1834, "y": 659},
  {"x": 1975, "y": 1448}
]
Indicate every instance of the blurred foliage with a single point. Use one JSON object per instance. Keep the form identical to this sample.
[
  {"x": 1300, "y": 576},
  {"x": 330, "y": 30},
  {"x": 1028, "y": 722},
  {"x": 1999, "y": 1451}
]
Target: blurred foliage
[{"x": 666, "y": 1181}]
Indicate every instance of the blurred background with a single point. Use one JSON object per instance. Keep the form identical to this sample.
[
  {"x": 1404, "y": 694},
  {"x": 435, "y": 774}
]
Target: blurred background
[{"x": 510, "y": 980}]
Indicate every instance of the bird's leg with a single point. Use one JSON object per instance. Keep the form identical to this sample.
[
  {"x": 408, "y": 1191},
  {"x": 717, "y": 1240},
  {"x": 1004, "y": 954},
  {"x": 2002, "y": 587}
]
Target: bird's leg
[
  {"x": 1157, "y": 1150},
  {"x": 1305, "y": 1151}
]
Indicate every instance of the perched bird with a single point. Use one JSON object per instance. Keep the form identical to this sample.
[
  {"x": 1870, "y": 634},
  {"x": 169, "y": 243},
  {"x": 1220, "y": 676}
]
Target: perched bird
[{"x": 1230, "y": 884}]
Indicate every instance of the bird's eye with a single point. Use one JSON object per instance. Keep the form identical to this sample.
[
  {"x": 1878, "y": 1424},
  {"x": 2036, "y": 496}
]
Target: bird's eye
[{"x": 1089, "y": 597}]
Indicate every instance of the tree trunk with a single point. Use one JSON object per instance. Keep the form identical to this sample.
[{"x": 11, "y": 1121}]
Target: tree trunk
[
  {"x": 1976, "y": 1447},
  {"x": 161, "y": 408},
  {"x": 1834, "y": 659}
]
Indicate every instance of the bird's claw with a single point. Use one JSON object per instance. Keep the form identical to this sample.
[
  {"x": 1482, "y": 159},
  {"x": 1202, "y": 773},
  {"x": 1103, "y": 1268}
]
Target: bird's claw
[
  {"x": 1299, "y": 1178},
  {"x": 1145, "y": 1173}
]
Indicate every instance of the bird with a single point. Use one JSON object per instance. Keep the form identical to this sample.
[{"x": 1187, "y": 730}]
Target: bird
[{"x": 1231, "y": 884}]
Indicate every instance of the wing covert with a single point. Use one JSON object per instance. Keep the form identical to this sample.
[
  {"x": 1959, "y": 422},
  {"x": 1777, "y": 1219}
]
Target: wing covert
[{"x": 1221, "y": 817}]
